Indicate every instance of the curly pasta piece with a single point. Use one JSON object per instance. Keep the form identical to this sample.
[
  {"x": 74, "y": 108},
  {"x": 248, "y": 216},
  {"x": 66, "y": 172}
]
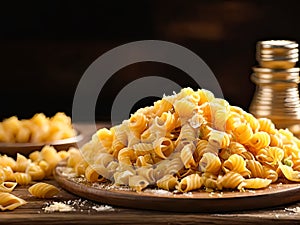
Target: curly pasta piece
[
  {"x": 210, "y": 182},
  {"x": 169, "y": 120},
  {"x": 49, "y": 154},
  {"x": 161, "y": 106},
  {"x": 256, "y": 169},
  {"x": 22, "y": 178},
  {"x": 186, "y": 155},
  {"x": 35, "y": 171},
  {"x": 233, "y": 121},
  {"x": 7, "y": 161},
  {"x": 233, "y": 148},
  {"x": 210, "y": 163},
  {"x": 126, "y": 156},
  {"x": 266, "y": 125},
  {"x": 286, "y": 135},
  {"x": 275, "y": 140},
  {"x": 45, "y": 167},
  {"x": 219, "y": 139},
  {"x": 91, "y": 174},
  {"x": 147, "y": 173},
  {"x": 243, "y": 133},
  {"x": 201, "y": 148},
  {"x": 138, "y": 123},
  {"x": 205, "y": 96},
  {"x": 74, "y": 157},
  {"x": 105, "y": 137},
  {"x": 187, "y": 135},
  {"x": 43, "y": 190},
  {"x": 270, "y": 173},
  {"x": 167, "y": 182},
  {"x": 259, "y": 140},
  {"x": 138, "y": 182},
  {"x": 196, "y": 121},
  {"x": 252, "y": 121},
  {"x": 7, "y": 174},
  {"x": 122, "y": 177},
  {"x": 271, "y": 155},
  {"x": 174, "y": 166},
  {"x": 142, "y": 149},
  {"x": 289, "y": 173},
  {"x": 291, "y": 151},
  {"x": 145, "y": 160},
  {"x": 80, "y": 168},
  {"x": 163, "y": 147},
  {"x": 35, "y": 156},
  {"x": 230, "y": 180},
  {"x": 120, "y": 138},
  {"x": 237, "y": 164},
  {"x": 190, "y": 182},
  {"x": 254, "y": 183},
  {"x": 21, "y": 163},
  {"x": 63, "y": 154}
]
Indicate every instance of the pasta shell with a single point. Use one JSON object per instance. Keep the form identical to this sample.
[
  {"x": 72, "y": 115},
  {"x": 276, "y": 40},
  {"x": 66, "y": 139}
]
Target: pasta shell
[
  {"x": 10, "y": 202},
  {"x": 43, "y": 190}
]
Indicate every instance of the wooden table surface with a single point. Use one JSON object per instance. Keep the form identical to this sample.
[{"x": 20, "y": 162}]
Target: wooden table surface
[{"x": 84, "y": 213}]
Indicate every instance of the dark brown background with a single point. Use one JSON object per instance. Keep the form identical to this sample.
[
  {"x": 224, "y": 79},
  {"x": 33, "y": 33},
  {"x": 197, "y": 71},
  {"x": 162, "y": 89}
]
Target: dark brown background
[{"x": 45, "y": 47}]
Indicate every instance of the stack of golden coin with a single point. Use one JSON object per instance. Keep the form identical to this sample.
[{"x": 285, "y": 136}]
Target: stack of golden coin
[{"x": 276, "y": 78}]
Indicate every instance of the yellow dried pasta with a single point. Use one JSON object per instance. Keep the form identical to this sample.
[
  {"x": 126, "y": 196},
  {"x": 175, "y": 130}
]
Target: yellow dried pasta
[
  {"x": 23, "y": 171},
  {"x": 22, "y": 178},
  {"x": 37, "y": 129},
  {"x": 10, "y": 202},
  {"x": 190, "y": 141},
  {"x": 7, "y": 186},
  {"x": 190, "y": 182},
  {"x": 43, "y": 190}
]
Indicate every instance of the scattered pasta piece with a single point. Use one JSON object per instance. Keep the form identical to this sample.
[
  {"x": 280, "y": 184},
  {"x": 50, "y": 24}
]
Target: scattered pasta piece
[
  {"x": 22, "y": 178},
  {"x": 10, "y": 202},
  {"x": 7, "y": 186},
  {"x": 43, "y": 190},
  {"x": 23, "y": 171},
  {"x": 255, "y": 183}
]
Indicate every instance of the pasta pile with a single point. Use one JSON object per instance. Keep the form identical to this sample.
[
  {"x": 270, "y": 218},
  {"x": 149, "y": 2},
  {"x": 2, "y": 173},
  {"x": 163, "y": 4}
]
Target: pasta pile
[
  {"x": 23, "y": 171},
  {"x": 191, "y": 141},
  {"x": 38, "y": 129}
]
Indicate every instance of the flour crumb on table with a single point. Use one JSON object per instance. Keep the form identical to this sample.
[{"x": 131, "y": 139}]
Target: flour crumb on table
[
  {"x": 78, "y": 205},
  {"x": 99, "y": 208},
  {"x": 294, "y": 210},
  {"x": 58, "y": 207}
]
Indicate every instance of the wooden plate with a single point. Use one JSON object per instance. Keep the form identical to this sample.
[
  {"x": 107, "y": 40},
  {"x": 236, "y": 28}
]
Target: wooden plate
[
  {"x": 275, "y": 195},
  {"x": 11, "y": 149}
]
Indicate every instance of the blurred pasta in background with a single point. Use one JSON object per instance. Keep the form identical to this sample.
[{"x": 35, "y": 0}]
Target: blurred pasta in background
[{"x": 38, "y": 129}]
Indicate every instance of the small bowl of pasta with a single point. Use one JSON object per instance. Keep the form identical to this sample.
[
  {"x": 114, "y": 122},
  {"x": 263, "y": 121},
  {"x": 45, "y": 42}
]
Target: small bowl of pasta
[{"x": 28, "y": 135}]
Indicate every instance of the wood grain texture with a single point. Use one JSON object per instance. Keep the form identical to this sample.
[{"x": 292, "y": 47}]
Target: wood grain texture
[
  {"x": 32, "y": 212},
  {"x": 198, "y": 201}
]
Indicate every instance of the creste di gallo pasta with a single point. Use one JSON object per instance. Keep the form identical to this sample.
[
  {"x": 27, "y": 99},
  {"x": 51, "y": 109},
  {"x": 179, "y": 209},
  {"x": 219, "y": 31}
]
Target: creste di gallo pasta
[{"x": 190, "y": 141}]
